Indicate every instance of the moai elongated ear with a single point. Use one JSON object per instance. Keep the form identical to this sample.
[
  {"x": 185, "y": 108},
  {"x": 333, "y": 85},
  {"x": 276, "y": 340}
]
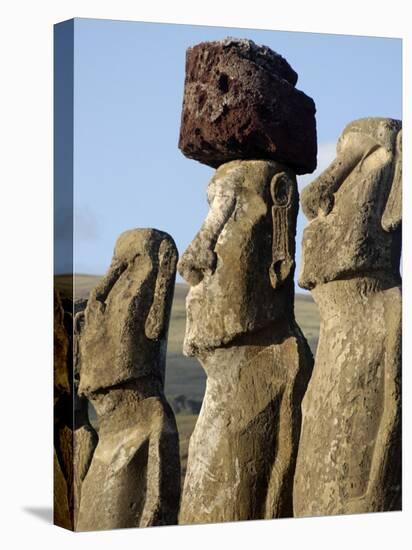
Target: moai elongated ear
[
  {"x": 283, "y": 193},
  {"x": 158, "y": 318},
  {"x": 392, "y": 215}
]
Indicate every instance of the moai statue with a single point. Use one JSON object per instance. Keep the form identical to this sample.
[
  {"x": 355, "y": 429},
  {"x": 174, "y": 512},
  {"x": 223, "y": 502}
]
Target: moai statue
[
  {"x": 349, "y": 458},
  {"x": 243, "y": 115},
  {"x": 63, "y": 510},
  {"x": 134, "y": 477},
  {"x": 86, "y": 438},
  {"x": 74, "y": 437}
]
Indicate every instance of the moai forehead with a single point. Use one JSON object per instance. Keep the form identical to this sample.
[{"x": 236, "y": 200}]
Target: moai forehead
[
  {"x": 127, "y": 315},
  {"x": 240, "y": 264},
  {"x": 354, "y": 206},
  {"x": 240, "y": 102}
]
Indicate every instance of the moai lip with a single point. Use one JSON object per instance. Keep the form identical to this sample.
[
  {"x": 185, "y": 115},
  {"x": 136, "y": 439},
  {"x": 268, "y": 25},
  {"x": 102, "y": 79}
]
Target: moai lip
[
  {"x": 240, "y": 102},
  {"x": 350, "y": 450}
]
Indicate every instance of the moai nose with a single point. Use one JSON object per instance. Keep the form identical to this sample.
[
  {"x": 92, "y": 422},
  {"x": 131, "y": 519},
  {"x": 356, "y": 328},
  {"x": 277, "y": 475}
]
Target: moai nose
[{"x": 198, "y": 259}]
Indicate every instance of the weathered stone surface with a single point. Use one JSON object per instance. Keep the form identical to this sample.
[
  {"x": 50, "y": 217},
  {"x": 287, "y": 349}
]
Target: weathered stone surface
[
  {"x": 240, "y": 102},
  {"x": 84, "y": 437},
  {"x": 134, "y": 477},
  {"x": 349, "y": 456},
  {"x": 74, "y": 437},
  {"x": 63, "y": 508},
  {"x": 62, "y": 515},
  {"x": 348, "y": 205},
  {"x": 240, "y": 325},
  {"x": 127, "y": 316},
  {"x": 85, "y": 440},
  {"x": 243, "y": 253}
]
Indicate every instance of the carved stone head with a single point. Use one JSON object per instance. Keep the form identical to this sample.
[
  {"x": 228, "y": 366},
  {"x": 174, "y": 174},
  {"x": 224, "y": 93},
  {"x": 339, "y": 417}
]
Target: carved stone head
[
  {"x": 355, "y": 206},
  {"x": 127, "y": 315},
  {"x": 240, "y": 265}
]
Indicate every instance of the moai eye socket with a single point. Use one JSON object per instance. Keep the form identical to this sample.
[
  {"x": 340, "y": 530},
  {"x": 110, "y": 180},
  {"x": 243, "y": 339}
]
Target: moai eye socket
[{"x": 281, "y": 189}]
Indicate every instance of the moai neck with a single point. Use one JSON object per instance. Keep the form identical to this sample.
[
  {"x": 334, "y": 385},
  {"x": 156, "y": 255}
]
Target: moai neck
[
  {"x": 227, "y": 361},
  {"x": 117, "y": 406},
  {"x": 345, "y": 297}
]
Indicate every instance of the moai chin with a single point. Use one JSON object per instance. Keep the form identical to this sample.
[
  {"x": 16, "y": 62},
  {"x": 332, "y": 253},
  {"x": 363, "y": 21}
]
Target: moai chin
[
  {"x": 349, "y": 458},
  {"x": 241, "y": 327},
  {"x": 134, "y": 477}
]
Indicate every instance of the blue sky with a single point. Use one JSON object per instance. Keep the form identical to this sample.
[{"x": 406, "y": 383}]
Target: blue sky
[{"x": 128, "y": 90}]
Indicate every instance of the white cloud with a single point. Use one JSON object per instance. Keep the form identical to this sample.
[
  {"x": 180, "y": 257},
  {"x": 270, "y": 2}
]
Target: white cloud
[{"x": 326, "y": 153}]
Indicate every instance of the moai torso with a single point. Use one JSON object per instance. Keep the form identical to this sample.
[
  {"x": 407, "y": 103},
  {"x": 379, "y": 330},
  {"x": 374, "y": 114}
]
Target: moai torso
[
  {"x": 241, "y": 326},
  {"x": 134, "y": 477},
  {"x": 349, "y": 456}
]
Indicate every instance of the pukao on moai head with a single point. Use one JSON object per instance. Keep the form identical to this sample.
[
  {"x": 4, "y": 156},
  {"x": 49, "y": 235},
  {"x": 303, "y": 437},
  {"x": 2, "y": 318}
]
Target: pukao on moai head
[
  {"x": 355, "y": 206},
  {"x": 241, "y": 102},
  {"x": 243, "y": 115},
  {"x": 134, "y": 477},
  {"x": 241, "y": 263},
  {"x": 349, "y": 458}
]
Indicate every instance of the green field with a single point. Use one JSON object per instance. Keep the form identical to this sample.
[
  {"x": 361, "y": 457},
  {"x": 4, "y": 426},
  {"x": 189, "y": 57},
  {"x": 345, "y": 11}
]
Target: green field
[{"x": 184, "y": 375}]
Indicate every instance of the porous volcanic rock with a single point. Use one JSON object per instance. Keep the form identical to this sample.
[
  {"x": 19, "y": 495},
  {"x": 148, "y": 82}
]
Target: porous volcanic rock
[{"x": 240, "y": 102}]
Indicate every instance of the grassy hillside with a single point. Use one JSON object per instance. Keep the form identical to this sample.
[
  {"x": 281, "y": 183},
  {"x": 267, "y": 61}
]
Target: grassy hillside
[{"x": 184, "y": 375}]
